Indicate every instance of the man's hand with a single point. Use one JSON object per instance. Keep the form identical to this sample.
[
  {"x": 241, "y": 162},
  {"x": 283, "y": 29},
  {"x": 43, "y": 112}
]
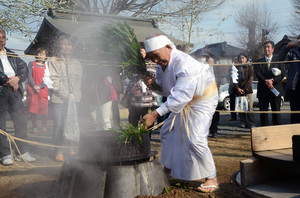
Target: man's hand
[
  {"x": 150, "y": 118},
  {"x": 135, "y": 91},
  {"x": 292, "y": 45},
  {"x": 36, "y": 89},
  {"x": 269, "y": 83},
  {"x": 13, "y": 80},
  {"x": 148, "y": 80},
  {"x": 241, "y": 91},
  {"x": 16, "y": 87}
]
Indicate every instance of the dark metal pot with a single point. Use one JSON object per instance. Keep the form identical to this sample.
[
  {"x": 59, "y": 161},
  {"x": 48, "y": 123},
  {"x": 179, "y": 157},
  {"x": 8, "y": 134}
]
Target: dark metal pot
[{"x": 102, "y": 146}]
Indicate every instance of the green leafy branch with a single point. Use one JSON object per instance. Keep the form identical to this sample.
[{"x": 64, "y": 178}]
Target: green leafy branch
[
  {"x": 128, "y": 132},
  {"x": 121, "y": 42}
]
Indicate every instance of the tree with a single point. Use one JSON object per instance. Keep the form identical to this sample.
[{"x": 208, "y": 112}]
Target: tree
[
  {"x": 115, "y": 7},
  {"x": 22, "y": 15},
  {"x": 25, "y": 16},
  {"x": 295, "y": 22},
  {"x": 185, "y": 15},
  {"x": 257, "y": 27}
]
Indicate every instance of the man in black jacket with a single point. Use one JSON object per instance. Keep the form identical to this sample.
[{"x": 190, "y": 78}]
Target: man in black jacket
[
  {"x": 269, "y": 80},
  {"x": 292, "y": 52},
  {"x": 13, "y": 71}
]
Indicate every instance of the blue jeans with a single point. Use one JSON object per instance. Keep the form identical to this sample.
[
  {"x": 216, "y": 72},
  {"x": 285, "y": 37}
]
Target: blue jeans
[{"x": 59, "y": 115}]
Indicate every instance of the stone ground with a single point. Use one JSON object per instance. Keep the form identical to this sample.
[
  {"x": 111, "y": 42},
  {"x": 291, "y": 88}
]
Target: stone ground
[{"x": 232, "y": 146}]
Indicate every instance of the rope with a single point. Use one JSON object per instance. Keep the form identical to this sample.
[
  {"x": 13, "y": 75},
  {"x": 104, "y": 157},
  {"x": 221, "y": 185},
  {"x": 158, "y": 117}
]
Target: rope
[
  {"x": 35, "y": 143},
  {"x": 255, "y": 63},
  {"x": 258, "y": 111},
  {"x": 156, "y": 126},
  {"x": 11, "y": 140},
  {"x": 109, "y": 63}
]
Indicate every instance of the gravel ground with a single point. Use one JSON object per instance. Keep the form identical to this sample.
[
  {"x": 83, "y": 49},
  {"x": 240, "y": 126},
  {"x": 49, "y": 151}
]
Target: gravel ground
[{"x": 232, "y": 146}]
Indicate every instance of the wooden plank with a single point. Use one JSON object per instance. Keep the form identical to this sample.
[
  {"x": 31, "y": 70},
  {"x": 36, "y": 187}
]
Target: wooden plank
[
  {"x": 284, "y": 151},
  {"x": 275, "y": 155},
  {"x": 273, "y": 137}
]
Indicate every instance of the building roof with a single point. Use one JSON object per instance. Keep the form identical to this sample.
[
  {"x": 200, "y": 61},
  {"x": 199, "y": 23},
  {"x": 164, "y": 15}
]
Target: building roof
[
  {"x": 85, "y": 28},
  {"x": 220, "y": 50},
  {"x": 285, "y": 40}
]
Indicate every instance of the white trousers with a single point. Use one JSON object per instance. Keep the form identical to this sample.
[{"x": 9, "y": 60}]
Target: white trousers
[{"x": 101, "y": 115}]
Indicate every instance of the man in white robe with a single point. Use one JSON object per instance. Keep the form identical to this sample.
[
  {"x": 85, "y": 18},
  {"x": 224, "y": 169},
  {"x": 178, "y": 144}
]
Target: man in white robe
[{"x": 192, "y": 97}]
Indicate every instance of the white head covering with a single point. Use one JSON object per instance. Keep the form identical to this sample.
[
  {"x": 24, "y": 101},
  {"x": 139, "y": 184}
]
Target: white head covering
[{"x": 157, "y": 43}]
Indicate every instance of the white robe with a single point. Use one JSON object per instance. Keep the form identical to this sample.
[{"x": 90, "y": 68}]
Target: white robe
[{"x": 189, "y": 158}]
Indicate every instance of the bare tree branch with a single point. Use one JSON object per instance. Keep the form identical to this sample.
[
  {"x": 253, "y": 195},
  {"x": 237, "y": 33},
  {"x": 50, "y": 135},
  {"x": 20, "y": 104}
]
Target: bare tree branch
[
  {"x": 257, "y": 26},
  {"x": 295, "y": 19},
  {"x": 20, "y": 15}
]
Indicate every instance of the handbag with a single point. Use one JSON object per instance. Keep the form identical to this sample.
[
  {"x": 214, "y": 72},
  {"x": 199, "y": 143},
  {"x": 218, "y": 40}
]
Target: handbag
[
  {"x": 241, "y": 103},
  {"x": 126, "y": 99}
]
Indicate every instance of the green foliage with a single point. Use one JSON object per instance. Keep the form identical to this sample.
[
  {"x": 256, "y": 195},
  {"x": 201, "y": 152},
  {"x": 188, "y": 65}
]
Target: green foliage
[
  {"x": 25, "y": 16},
  {"x": 120, "y": 42},
  {"x": 167, "y": 189},
  {"x": 183, "y": 185},
  {"x": 128, "y": 132}
]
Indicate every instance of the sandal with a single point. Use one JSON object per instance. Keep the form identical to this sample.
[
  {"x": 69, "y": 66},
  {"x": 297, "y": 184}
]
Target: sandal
[{"x": 203, "y": 188}]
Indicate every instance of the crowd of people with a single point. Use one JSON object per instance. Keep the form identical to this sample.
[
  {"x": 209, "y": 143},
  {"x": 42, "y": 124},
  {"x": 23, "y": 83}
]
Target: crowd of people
[
  {"x": 189, "y": 88},
  {"x": 270, "y": 73},
  {"x": 57, "y": 80}
]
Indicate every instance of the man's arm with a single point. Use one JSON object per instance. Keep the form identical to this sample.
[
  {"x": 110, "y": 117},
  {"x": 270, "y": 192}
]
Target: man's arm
[
  {"x": 283, "y": 52},
  {"x": 258, "y": 71},
  {"x": 20, "y": 68},
  {"x": 278, "y": 79},
  {"x": 3, "y": 78},
  {"x": 30, "y": 78},
  {"x": 22, "y": 71}
]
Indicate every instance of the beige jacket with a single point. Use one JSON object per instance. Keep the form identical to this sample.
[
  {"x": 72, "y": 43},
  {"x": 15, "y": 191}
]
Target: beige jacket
[{"x": 66, "y": 75}]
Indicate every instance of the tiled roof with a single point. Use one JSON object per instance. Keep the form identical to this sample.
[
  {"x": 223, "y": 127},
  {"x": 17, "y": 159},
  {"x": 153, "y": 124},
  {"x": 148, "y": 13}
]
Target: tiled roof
[
  {"x": 86, "y": 27},
  {"x": 219, "y": 50}
]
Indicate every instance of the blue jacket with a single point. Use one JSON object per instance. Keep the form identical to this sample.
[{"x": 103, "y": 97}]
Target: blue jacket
[{"x": 294, "y": 70}]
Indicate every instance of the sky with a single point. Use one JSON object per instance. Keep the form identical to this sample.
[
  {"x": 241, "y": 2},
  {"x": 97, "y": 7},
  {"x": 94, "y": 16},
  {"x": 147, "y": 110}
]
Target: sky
[{"x": 280, "y": 9}]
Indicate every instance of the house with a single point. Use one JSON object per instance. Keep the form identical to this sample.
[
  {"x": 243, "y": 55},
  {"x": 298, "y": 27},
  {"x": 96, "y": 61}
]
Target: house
[
  {"x": 222, "y": 54},
  {"x": 85, "y": 29}
]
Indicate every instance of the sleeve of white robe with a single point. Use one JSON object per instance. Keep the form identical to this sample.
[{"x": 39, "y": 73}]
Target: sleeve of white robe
[{"x": 181, "y": 93}]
